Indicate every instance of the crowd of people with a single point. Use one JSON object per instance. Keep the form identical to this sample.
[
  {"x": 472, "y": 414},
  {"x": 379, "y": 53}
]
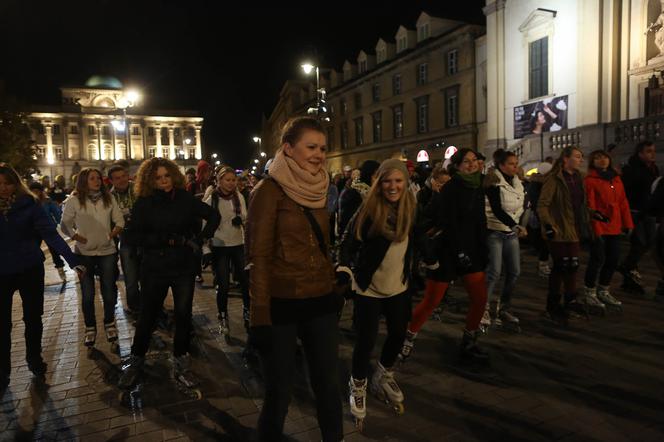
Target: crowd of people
[{"x": 300, "y": 244}]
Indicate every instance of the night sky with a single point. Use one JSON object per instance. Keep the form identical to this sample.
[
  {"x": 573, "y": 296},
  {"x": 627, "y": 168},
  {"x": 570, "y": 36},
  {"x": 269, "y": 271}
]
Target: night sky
[{"x": 228, "y": 63}]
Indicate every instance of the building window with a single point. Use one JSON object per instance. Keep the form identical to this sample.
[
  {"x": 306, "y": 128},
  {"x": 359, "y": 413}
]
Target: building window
[
  {"x": 422, "y": 73},
  {"x": 452, "y": 106},
  {"x": 41, "y": 151},
  {"x": 380, "y": 56},
  {"x": 538, "y": 68},
  {"x": 93, "y": 152},
  {"x": 164, "y": 136},
  {"x": 422, "y": 104},
  {"x": 452, "y": 58},
  {"x": 56, "y": 129},
  {"x": 402, "y": 44},
  {"x": 344, "y": 135},
  {"x": 176, "y": 132},
  {"x": 397, "y": 116},
  {"x": 105, "y": 132},
  {"x": 150, "y": 131},
  {"x": 41, "y": 129},
  {"x": 192, "y": 152},
  {"x": 151, "y": 151},
  {"x": 396, "y": 84},
  {"x": 363, "y": 66},
  {"x": 108, "y": 152},
  {"x": 358, "y": 101},
  {"x": 91, "y": 130},
  {"x": 375, "y": 92},
  {"x": 359, "y": 131},
  {"x": 377, "y": 126},
  {"x": 423, "y": 32},
  {"x": 135, "y": 130},
  {"x": 73, "y": 129},
  {"x": 330, "y": 138},
  {"x": 58, "y": 152},
  {"x": 344, "y": 106}
]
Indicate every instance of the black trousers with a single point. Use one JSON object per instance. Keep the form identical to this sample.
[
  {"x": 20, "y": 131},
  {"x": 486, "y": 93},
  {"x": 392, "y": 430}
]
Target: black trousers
[
  {"x": 604, "y": 257},
  {"x": 643, "y": 236},
  {"x": 30, "y": 286},
  {"x": 320, "y": 339},
  {"x": 367, "y": 310},
  {"x": 224, "y": 257},
  {"x": 154, "y": 289}
]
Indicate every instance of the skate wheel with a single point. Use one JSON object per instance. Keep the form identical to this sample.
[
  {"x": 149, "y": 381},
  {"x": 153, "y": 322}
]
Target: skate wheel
[
  {"x": 197, "y": 394},
  {"x": 398, "y": 408},
  {"x": 359, "y": 424}
]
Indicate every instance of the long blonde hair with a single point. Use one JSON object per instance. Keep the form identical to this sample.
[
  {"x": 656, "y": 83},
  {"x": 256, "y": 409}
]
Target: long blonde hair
[{"x": 377, "y": 210}]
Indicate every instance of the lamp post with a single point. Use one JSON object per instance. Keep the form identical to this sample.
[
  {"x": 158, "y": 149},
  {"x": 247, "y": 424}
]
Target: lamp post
[
  {"x": 320, "y": 110},
  {"x": 129, "y": 99}
]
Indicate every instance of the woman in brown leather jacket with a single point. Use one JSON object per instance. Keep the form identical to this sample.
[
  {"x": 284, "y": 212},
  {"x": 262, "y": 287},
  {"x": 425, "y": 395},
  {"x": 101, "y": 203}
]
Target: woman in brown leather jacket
[{"x": 291, "y": 279}]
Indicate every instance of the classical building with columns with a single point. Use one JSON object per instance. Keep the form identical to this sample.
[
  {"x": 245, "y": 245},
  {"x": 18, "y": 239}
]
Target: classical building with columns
[{"x": 102, "y": 122}]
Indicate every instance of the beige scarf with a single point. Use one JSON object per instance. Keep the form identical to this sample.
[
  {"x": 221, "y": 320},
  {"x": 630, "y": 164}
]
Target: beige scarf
[{"x": 301, "y": 186}]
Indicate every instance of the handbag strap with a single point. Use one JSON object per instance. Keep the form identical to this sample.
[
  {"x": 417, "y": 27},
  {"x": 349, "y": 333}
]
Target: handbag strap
[{"x": 316, "y": 228}]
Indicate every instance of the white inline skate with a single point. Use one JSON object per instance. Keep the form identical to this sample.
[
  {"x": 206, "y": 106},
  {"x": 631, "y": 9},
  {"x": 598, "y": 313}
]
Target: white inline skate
[
  {"x": 358, "y": 401},
  {"x": 385, "y": 387}
]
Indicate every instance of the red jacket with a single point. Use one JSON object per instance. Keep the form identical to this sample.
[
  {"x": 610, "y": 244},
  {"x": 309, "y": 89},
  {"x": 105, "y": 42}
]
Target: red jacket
[{"x": 608, "y": 197}]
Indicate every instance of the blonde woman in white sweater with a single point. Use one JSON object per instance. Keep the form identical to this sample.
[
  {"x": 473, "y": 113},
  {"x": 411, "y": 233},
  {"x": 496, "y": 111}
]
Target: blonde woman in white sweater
[
  {"x": 92, "y": 218},
  {"x": 228, "y": 243}
]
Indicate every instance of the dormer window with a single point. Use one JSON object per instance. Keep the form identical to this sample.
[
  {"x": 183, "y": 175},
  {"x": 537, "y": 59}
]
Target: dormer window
[
  {"x": 402, "y": 44},
  {"x": 380, "y": 56},
  {"x": 363, "y": 66},
  {"x": 423, "y": 32}
]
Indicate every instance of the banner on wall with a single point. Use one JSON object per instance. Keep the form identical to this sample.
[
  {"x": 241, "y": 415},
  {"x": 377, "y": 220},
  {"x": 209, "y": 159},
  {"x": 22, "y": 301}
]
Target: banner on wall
[{"x": 548, "y": 115}]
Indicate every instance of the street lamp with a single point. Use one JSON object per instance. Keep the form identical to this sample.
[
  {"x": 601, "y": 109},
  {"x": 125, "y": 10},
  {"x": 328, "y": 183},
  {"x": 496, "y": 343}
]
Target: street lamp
[
  {"x": 214, "y": 155},
  {"x": 130, "y": 98},
  {"x": 260, "y": 151},
  {"x": 321, "y": 109}
]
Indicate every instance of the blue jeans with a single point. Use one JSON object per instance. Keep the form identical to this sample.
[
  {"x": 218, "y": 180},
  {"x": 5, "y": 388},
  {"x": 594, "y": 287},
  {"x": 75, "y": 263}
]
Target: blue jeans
[
  {"x": 503, "y": 249},
  {"x": 106, "y": 267},
  {"x": 130, "y": 269}
]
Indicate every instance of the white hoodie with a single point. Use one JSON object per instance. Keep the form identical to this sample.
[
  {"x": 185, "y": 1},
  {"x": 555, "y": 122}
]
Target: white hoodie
[{"x": 93, "y": 222}]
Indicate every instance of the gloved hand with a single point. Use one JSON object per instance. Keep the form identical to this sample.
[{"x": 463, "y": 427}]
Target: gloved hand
[
  {"x": 207, "y": 259},
  {"x": 549, "y": 232},
  {"x": 237, "y": 221},
  {"x": 80, "y": 270},
  {"x": 464, "y": 261},
  {"x": 599, "y": 216},
  {"x": 260, "y": 337}
]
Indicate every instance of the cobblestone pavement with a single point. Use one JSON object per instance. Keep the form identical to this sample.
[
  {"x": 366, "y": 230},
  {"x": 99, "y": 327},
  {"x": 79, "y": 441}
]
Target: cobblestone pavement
[{"x": 599, "y": 379}]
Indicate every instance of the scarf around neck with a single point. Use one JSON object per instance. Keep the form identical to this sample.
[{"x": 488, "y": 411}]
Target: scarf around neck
[
  {"x": 472, "y": 180},
  {"x": 301, "y": 186},
  {"x": 95, "y": 196}
]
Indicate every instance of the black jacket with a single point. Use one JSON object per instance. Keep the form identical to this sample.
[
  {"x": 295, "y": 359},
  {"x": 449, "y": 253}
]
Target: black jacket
[
  {"x": 164, "y": 224},
  {"x": 637, "y": 178},
  {"x": 458, "y": 213},
  {"x": 349, "y": 201},
  {"x": 364, "y": 257}
]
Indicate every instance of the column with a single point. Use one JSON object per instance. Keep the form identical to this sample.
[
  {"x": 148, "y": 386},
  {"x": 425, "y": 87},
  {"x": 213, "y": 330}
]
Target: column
[
  {"x": 50, "y": 155},
  {"x": 100, "y": 156},
  {"x": 157, "y": 132},
  {"x": 199, "y": 153},
  {"x": 128, "y": 134},
  {"x": 495, "y": 49},
  {"x": 114, "y": 142},
  {"x": 171, "y": 142},
  {"x": 144, "y": 138},
  {"x": 185, "y": 146}
]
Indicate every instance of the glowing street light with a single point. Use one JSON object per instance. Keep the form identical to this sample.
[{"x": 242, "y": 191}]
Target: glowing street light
[
  {"x": 263, "y": 154},
  {"x": 187, "y": 141},
  {"x": 307, "y": 68},
  {"x": 257, "y": 139},
  {"x": 256, "y": 160},
  {"x": 216, "y": 163},
  {"x": 214, "y": 155}
]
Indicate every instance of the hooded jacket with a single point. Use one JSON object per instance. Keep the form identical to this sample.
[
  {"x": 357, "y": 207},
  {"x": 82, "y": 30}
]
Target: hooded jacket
[
  {"x": 607, "y": 196},
  {"x": 555, "y": 209}
]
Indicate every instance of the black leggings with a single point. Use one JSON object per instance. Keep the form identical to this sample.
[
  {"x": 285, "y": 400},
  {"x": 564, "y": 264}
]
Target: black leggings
[
  {"x": 397, "y": 311},
  {"x": 223, "y": 258},
  {"x": 604, "y": 256},
  {"x": 30, "y": 285}
]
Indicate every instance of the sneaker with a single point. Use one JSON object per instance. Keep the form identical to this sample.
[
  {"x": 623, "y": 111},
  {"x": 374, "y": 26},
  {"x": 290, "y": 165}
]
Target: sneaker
[
  {"x": 507, "y": 317},
  {"x": 485, "y": 322},
  {"x": 90, "y": 336},
  {"x": 111, "y": 331},
  {"x": 62, "y": 274},
  {"x": 605, "y": 297},
  {"x": 543, "y": 269},
  {"x": 358, "y": 397},
  {"x": 589, "y": 297},
  {"x": 182, "y": 372}
]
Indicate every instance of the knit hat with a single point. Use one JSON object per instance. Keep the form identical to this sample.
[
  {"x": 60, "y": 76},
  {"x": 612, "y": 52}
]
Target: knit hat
[
  {"x": 544, "y": 168},
  {"x": 393, "y": 164}
]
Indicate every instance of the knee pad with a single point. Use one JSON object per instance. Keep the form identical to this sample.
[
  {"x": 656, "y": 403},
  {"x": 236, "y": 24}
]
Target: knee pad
[{"x": 573, "y": 264}]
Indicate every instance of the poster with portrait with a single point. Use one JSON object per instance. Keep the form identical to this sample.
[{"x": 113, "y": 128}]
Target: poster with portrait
[{"x": 548, "y": 115}]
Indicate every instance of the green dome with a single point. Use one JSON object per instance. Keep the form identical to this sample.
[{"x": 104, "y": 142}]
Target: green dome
[{"x": 104, "y": 82}]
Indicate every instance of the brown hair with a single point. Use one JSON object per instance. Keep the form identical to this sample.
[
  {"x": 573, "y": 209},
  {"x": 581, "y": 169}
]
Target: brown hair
[
  {"x": 12, "y": 176},
  {"x": 293, "y": 128},
  {"x": 145, "y": 176},
  {"x": 376, "y": 209},
  {"x": 82, "y": 190},
  {"x": 439, "y": 170},
  {"x": 565, "y": 153},
  {"x": 596, "y": 154}
]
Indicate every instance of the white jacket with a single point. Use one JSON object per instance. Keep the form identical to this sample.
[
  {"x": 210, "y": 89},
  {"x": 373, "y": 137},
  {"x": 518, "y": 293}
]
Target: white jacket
[
  {"x": 93, "y": 222},
  {"x": 511, "y": 200},
  {"x": 228, "y": 235}
]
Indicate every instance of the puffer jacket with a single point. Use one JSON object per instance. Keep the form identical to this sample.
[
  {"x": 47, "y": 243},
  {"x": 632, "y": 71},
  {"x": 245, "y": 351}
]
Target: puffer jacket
[
  {"x": 554, "y": 208},
  {"x": 21, "y": 233},
  {"x": 608, "y": 198},
  {"x": 283, "y": 254}
]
